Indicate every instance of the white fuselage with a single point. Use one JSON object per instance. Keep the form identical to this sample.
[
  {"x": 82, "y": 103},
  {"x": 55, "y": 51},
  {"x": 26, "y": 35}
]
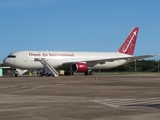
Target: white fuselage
[{"x": 26, "y": 59}]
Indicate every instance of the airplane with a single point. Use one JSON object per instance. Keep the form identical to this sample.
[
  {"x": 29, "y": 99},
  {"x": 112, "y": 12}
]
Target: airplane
[{"x": 76, "y": 61}]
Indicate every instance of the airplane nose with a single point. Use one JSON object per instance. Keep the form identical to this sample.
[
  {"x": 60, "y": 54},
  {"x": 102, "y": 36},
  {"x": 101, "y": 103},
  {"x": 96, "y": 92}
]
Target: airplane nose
[{"x": 5, "y": 61}]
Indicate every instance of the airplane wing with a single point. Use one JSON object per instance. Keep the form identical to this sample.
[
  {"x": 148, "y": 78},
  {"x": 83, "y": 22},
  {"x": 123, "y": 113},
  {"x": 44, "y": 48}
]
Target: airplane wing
[
  {"x": 102, "y": 61},
  {"x": 122, "y": 58}
]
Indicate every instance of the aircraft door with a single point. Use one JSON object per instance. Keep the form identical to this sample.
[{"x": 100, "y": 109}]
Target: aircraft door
[{"x": 25, "y": 58}]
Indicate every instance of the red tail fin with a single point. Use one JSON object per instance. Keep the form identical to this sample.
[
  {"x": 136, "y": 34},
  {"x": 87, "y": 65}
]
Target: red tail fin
[{"x": 129, "y": 44}]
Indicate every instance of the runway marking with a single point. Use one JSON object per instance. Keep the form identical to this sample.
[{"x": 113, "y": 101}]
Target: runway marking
[
  {"x": 40, "y": 101},
  {"x": 22, "y": 108},
  {"x": 128, "y": 102},
  {"x": 31, "y": 89},
  {"x": 104, "y": 103},
  {"x": 34, "y": 87},
  {"x": 8, "y": 87},
  {"x": 114, "y": 103},
  {"x": 21, "y": 87},
  {"x": 37, "y": 87}
]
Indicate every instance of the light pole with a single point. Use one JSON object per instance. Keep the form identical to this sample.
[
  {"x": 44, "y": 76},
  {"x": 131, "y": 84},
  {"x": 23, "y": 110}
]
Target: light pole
[
  {"x": 158, "y": 64},
  {"x": 135, "y": 67}
]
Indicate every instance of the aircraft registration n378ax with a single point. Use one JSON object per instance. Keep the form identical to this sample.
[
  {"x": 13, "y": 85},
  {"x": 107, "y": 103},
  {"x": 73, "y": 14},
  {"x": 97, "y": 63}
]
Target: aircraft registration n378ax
[{"x": 76, "y": 61}]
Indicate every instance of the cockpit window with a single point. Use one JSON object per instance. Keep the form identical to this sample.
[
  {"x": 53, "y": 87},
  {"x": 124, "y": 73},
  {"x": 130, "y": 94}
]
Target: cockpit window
[{"x": 11, "y": 56}]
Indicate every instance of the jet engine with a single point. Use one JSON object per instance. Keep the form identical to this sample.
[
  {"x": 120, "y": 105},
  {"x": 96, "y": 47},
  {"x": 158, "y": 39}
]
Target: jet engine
[{"x": 79, "y": 67}]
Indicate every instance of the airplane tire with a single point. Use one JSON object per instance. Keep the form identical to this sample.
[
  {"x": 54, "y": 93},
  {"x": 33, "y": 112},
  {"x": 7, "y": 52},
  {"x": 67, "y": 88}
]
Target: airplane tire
[
  {"x": 68, "y": 73},
  {"x": 16, "y": 75},
  {"x": 91, "y": 72},
  {"x": 47, "y": 75},
  {"x": 41, "y": 74},
  {"x": 86, "y": 73}
]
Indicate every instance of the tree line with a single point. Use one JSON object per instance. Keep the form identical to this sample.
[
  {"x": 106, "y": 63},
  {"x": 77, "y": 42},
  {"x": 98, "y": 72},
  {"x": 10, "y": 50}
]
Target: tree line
[{"x": 138, "y": 65}]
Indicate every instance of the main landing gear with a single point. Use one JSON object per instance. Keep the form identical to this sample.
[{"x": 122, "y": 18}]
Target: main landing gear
[
  {"x": 68, "y": 73},
  {"x": 89, "y": 72}
]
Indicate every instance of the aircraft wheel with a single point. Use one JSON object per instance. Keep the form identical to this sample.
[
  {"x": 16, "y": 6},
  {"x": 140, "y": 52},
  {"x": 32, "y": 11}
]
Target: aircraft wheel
[
  {"x": 41, "y": 74},
  {"x": 47, "y": 74},
  {"x": 70, "y": 73},
  {"x": 65, "y": 73},
  {"x": 86, "y": 73},
  {"x": 91, "y": 72},
  {"x": 16, "y": 75}
]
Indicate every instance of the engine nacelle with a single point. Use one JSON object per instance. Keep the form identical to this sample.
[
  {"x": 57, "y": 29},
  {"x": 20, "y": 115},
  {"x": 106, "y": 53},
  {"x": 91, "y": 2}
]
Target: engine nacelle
[{"x": 79, "y": 67}]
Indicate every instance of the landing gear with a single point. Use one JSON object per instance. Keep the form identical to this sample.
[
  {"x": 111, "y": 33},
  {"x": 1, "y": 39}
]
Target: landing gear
[
  {"x": 47, "y": 74},
  {"x": 89, "y": 72},
  {"x": 68, "y": 73},
  {"x": 41, "y": 74},
  {"x": 16, "y": 75}
]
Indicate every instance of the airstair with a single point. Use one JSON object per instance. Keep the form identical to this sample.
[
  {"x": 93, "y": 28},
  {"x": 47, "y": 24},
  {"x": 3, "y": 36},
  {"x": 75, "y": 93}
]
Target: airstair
[{"x": 48, "y": 66}]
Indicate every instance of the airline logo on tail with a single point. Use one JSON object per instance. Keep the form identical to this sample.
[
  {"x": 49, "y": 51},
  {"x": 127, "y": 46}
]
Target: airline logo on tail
[{"x": 129, "y": 44}]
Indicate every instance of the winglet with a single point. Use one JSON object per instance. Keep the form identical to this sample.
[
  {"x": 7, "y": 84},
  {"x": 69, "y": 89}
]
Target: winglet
[{"x": 130, "y": 42}]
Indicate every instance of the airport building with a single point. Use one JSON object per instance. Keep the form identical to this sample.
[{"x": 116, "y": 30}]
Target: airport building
[{"x": 1, "y": 72}]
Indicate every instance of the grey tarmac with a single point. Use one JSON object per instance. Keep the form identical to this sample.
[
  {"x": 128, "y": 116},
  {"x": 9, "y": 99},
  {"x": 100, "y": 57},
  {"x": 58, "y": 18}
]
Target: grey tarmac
[{"x": 98, "y": 97}]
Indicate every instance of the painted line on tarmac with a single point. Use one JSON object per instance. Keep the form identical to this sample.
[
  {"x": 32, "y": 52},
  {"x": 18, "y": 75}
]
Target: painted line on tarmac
[
  {"x": 41, "y": 101},
  {"x": 114, "y": 103},
  {"x": 30, "y": 89},
  {"x": 128, "y": 102},
  {"x": 59, "y": 83},
  {"x": 104, "y": 103},
  {"x": 22, "y": 108},
  {"x": 8, "y": 87}
]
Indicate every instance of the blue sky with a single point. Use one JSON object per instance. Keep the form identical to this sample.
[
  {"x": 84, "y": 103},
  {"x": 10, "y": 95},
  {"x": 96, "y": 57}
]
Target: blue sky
[{"x": 78, "y": 25}]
